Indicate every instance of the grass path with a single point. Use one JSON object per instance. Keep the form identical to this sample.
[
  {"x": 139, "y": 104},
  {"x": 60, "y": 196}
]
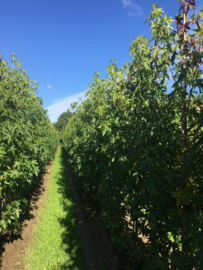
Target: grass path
[{"x": 56, "y": 241}]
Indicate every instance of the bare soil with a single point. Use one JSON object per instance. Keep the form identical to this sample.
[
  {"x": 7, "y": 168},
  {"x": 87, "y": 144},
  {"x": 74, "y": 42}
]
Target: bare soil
[
  {"x": 12, "y": 248},
  {"x": 98, "y": 250}
]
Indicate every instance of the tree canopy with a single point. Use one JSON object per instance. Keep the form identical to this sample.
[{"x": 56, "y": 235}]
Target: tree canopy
[{"x": 62, "y": 120}]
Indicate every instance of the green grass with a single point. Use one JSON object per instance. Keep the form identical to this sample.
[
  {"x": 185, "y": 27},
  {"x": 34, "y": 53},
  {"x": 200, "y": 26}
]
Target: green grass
[{"x": 56, "y": 240}]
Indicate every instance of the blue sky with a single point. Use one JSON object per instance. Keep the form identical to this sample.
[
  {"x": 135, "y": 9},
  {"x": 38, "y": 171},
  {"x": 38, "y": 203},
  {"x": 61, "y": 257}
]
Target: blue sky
[{"x": 62, "y": 43}]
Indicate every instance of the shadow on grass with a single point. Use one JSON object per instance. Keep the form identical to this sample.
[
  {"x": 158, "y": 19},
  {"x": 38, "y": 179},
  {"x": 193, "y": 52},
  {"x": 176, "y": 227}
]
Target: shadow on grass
[
  {"x": 71, "y": 240},
  {"x": 32, "y": 198},
  {"x": 107, "y": 260}
]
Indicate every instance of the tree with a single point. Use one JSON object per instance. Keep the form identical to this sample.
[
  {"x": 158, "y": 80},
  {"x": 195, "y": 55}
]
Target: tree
[
  {"x": 62, "y": 120},
  {"x": 137, "y": 147}
]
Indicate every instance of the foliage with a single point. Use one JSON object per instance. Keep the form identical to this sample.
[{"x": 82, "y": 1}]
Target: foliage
[
  {"x": 27, "y": 142},
  {"x": 127, "y": 138},
  {"x": 62, "y": 120}
]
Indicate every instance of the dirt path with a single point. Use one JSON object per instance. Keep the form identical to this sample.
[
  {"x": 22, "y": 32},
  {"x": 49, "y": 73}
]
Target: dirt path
[
  {"x": 97, "y": 248},
  {"x": 98, "y": 252},
  {"x": 12, "y": 249}
]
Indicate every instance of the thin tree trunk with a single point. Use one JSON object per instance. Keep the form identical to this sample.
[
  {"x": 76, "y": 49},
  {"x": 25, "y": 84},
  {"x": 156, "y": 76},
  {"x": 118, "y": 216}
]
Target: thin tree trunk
[
  {"x": 1, "y": 209},
  {"x": 155, "y": 78},
  {"x": 155, "y": 63},
  {"x": 184, "y": 145}
]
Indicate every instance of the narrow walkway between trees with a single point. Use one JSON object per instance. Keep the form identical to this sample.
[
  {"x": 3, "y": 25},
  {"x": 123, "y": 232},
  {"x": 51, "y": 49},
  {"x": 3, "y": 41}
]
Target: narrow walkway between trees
[
  {"x": 63, "y": 230},
  {"x": 57, "y": 243}
]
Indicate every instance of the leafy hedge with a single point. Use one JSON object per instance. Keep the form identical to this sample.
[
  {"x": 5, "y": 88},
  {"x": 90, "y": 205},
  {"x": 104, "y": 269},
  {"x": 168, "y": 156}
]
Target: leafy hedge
[
  {"x": 127, "y": 141},
  {"x": 27, "y": 142}
]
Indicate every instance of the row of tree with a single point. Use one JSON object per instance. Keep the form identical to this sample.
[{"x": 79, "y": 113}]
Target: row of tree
[
  {"x": 28, "y": 142},
  {"x": 139, "y": 149},
  {"x": 62, "y": 120}
]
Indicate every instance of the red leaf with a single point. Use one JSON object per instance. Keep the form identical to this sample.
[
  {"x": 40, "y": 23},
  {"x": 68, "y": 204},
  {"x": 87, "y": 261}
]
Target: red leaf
[{"x": 187, "y": 5}]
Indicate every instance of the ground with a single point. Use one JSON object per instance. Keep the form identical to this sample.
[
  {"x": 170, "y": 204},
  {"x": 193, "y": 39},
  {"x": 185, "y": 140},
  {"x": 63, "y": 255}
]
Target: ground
[
  {"x": 98, "y": 250},
  {"x": 13, "y": 248}
]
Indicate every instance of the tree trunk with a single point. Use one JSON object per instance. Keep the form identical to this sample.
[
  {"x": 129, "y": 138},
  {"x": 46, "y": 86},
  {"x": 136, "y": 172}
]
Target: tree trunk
[
  {"x": 155, "y": 63},
  {"x": 184, "y": 145},
  {"x": 1, "y": 209}
]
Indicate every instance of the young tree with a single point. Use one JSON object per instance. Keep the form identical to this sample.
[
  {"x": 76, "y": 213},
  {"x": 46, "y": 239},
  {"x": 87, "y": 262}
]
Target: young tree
[{"x": 62, "y": 120}]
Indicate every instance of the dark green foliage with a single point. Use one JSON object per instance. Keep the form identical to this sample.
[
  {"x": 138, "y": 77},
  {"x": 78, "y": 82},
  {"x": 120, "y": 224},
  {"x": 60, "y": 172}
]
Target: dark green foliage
[
  {"x": 27, "y": 142},
  {"x": 126, "y": 142},
  {"x": 62, "y": 120}
]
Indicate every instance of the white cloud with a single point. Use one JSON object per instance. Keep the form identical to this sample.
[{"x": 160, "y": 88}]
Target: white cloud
[
  {"x": 60, "y": 106},
  {"x": 49, "y": 86},
  {"x": 135, "y": 14},
  {"x": 129, "y": 3}
]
